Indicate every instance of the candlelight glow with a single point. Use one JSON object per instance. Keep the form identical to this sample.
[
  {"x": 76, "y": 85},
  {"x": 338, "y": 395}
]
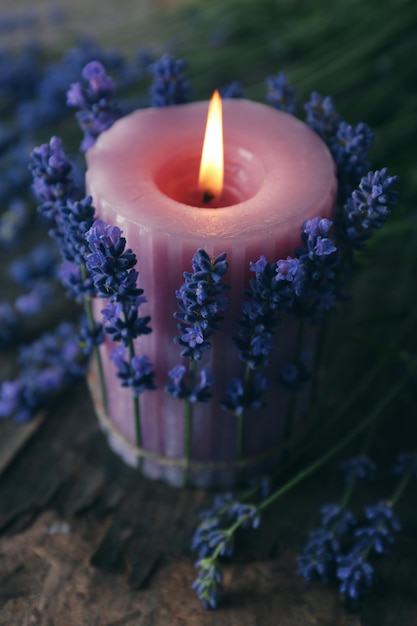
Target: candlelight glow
[{"x": 210, "y": 180}]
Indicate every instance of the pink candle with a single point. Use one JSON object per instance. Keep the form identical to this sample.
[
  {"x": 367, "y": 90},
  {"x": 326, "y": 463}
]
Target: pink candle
[{"x": 143, "y": 176}]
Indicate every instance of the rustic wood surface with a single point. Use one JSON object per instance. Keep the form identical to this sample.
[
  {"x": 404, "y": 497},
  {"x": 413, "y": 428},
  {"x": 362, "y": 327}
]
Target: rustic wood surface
[{"x": 87, "y": 541}]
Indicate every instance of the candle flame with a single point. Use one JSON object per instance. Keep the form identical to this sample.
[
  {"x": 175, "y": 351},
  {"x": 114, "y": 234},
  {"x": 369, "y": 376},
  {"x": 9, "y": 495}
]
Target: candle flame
[{"x": 210, "y": 180}]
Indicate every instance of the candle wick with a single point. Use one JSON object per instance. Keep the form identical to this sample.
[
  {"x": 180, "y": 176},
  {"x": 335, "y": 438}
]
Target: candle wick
[{"x": 207, "y": 197}]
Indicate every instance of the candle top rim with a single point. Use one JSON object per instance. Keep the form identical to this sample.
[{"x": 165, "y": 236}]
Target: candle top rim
[{"x": 121, "y": 168}]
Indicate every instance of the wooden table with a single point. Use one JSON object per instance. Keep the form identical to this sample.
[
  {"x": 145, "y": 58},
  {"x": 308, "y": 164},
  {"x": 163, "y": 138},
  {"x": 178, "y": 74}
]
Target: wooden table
[{"x": 86, "y": 541}]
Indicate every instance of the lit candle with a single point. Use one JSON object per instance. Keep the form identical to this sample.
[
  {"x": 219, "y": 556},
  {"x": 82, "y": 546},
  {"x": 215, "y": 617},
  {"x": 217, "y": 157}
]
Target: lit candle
[{"x": 143, "y": 175}]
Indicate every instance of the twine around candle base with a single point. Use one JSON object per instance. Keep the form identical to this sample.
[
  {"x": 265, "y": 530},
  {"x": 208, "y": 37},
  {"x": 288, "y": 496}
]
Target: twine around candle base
[{"x": 111, "y": 429}]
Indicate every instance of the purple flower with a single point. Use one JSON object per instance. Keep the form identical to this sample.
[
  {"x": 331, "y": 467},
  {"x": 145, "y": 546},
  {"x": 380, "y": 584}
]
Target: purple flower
[
  {"x": 318, "y": 558},
  {"x": 358, "y": 467},
  {"x": 337, "y": 518},
  {"x": 48, "y": 365},
  {"x": 405, "y": 462},
  {"x": 232, "y": 91},
  {"x": 134, "y": 372},
  {"x": 183, "y": 389},
  {"x": 40, "y": 262},
  {"x": 317, "y": 289},
  {"x": 201, "y": 302},
  {"x": 367, "y": 209},
  {"x": 169, "y": 87},
  {"x": 95, "y": 99},
  {"x": 382, "y": 513},
  {"x": 271, "y": 292},
  {"x": 111, "y": 264},
  {"x": 281, "y": 94},
  {"x": 34, "y": 302},
  {"x": 293, "y": 376},
  {"x": 53, "y": 176},
  {"x": 238, "y": 399},
  {"x": 322, "y": 115},
  {"x": 208, "y": 583},
  {"x": 356, "y": 575}
]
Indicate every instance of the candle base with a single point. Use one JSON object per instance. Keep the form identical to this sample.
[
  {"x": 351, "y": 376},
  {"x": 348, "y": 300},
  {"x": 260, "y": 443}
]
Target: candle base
[{"x": 200, "y": 474}]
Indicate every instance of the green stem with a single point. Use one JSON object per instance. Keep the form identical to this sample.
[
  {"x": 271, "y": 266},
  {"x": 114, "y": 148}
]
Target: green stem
[
  {"x": 136, "y": 405},
  {"x": 292, "y": 406},
  {"x": 88, "y": 306},
  {"x": 188, "y": 422}
]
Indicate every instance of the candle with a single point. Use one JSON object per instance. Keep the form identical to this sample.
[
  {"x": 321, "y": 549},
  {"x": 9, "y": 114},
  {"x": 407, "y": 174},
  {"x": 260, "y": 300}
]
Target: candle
[{"x": 143, "y": 177}]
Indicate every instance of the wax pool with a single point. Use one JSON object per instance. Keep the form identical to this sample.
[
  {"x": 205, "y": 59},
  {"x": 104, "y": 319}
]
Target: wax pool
[{"x": 142, "y": 175}]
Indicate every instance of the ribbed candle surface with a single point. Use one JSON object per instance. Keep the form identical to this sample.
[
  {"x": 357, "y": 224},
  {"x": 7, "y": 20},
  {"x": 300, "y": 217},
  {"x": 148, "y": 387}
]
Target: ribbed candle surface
[{"x": 141, "y": 173}]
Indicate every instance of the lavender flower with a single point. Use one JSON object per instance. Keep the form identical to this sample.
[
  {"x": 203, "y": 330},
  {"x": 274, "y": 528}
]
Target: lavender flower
[
  {"x": 356, "y": 575},
  {"x": 211, "y": 534},
  {"x": 46, "y": 366},
  {"x": 319, "y": 555},
  {"x": 367, "y": 209},
  {"x": 213, "y": 539},
  {"x": 350, "y": 148},
  {"x": 322, "y": 116},
  {"x": 234, "y": 91},
  {"x": 134, "y": 372},
  {"x": 53, "y": 176},
  {"x": 348, "y": 144},
  {"x": 405, "y": 462},
  {"x": 180, "y": 388},
  {"x": 360, "y": 467},
  {"x": 319, "y": 261},
  {"x": 281, "y": 94},
  {"x": 95, "y": 99},
  {"x": 293, "y": 376},
  {"x": 238, "y": 399},
  {"x": 34, "y": 301},
  {"x": 169, "y": 87},
  {"x": 201, "y": 302},
  {"x": 208, "y": 583},
  {"x": 110, "y": 266},
  {"x": 271, "y": 292},
  {"x": 40, "y": 262},
  {"x": 337, "y": 518}
]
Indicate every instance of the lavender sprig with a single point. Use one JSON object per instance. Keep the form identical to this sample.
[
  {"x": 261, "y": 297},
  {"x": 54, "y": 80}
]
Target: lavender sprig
[
  {"x": 271, "y": 294},
  {"x": 94, "y": 97},
  {"x": 111, "y": 267},
  {"x": 55, "y": 189},
  {"x": 169, "y": 87},
  {"x": 53, "y": 177},
  {"x": 349, "y": 145},
  {"x": 367, "y": 209},
  {"x": 214, "y": 538},
  {"x": 355, "y": 572},
  {"x": 201, "y": 302},
  {"x": 281, "y": 94},
  {"x": 320, "y": 555}
]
